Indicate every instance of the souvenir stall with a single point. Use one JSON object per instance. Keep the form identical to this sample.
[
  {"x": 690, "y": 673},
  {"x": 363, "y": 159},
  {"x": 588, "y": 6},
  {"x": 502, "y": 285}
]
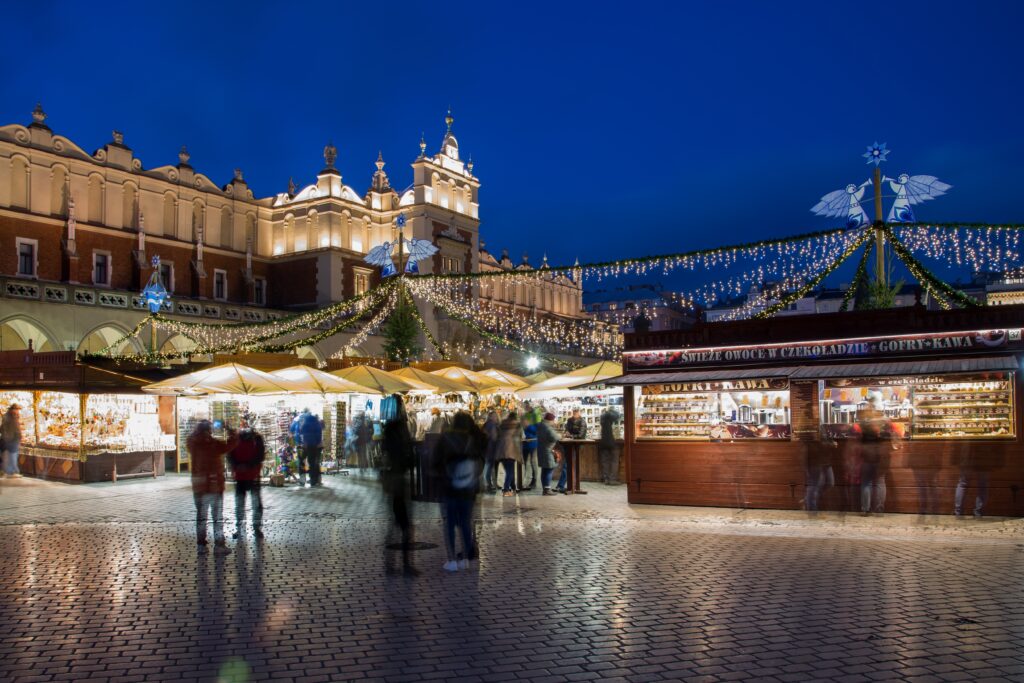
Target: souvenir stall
[
  {"x": 492, "y": 393},
  {"x": 447, "y": 397},
  {"x": 95, "y": 437},
  {"x": 582, "y": 389},
  {"x": 718, "y": 416}
]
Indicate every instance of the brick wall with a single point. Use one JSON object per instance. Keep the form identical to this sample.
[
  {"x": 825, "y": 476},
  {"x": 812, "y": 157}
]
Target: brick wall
[
  {"x": 291, "y": 283},
  {"x": 48, "y": 255}
]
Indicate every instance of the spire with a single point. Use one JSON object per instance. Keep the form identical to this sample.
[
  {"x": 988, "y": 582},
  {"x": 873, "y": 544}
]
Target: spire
[
  {"x": 291, "y": 187},
  {"x": 469, "y": 166},
  {"x": 183, "y": 156},
  {"x": 39, "y": 116},
  {"x": 449, "y": 119},
  {"x": 423, "y": 146},
  {"x": 380, "y": 178}
]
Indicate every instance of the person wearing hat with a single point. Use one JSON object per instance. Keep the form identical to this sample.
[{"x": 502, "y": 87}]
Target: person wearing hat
[
  {"x": 10, "y": 431},
  {"x": 547, "y": 442}
]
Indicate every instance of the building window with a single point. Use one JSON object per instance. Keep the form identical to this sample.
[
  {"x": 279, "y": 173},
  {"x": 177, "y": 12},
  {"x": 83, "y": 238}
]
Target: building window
[
  {"x": 362, "y": 282},
  {"x": 259, "y": 291},
  {"x": 27, "y": 256},
  {"x": 451, "y": 265},
  {"x": 101, "y": 268},
  {"x": 220, "y": 285},
  {"x": 167, "y": 275}
]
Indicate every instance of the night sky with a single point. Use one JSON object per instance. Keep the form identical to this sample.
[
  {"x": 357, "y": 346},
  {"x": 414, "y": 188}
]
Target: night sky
[{"x": 598, "y": 130}]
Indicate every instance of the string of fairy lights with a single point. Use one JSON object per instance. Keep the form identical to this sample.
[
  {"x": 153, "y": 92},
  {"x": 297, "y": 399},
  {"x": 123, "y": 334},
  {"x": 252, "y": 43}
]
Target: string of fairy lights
[{"x": 792, "y": 266}]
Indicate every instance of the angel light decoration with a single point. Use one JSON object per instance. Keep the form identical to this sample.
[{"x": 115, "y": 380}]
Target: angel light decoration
[
  {"x": 908, "y": 190},
  {"x": 410, "y": 250},
  {"x": 154, "y": 294}
]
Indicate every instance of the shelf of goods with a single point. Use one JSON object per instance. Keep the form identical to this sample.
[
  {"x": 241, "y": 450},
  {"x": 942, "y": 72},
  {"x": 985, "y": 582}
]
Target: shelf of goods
[
  {"x": 966, "y": 409},
  {"x": 23, "y": 399},
  {"x": 713, "y": 415},
  {"x": 124, "y": 423},
  {"x": 590, "y": 410}
]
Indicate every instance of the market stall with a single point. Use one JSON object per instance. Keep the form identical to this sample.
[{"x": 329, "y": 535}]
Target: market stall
[
  {"x": 447, "y": 396},
  {"x": 716, "y": 416},
  {"x": 582, "y": 389}
]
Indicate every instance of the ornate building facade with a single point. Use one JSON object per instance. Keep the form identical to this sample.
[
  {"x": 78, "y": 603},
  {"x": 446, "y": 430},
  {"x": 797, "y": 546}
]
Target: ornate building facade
[{"x": 78, "y": 230}]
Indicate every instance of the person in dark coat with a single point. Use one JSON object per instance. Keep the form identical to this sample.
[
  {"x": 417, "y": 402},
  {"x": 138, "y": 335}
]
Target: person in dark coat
[
  {"x": 206, "y": 462},
  {"x": 310, "y": 437},
  {"x": 459, "y": 459},
  {"x": 397, "y": 444},
  {"x": 510, "y": 450},
  {"x": 491, "y": 429},
  {"x": 608, "y": 447},
  {"x": 246, "y": 462},
  {"x": 547, "y": 442}
]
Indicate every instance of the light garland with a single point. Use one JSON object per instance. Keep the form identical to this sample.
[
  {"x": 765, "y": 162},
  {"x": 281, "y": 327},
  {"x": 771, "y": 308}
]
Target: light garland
[
  {"x": 926, "y": 277},
  {"x": 860, "y": 276}
]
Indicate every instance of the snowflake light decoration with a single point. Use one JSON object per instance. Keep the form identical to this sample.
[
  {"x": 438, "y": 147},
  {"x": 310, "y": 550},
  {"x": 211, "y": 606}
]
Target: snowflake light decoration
[{"x": 876, "y": 153}]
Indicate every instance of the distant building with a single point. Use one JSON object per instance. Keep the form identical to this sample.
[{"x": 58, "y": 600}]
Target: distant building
[{"x": 622, "y": 306}]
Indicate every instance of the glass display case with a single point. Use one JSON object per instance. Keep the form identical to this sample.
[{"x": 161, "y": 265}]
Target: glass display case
[
  {"x": 714, "y": 411},
  {"x": 590, "y": 408},
  {"x": 923, "y": 407},
  {"x": 124, "y": 423},
  {"x": 59, "y": 420}
]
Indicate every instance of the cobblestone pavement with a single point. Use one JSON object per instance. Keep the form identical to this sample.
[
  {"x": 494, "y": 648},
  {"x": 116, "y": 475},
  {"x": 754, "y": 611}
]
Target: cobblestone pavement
[{"x": 103, "y": 583}]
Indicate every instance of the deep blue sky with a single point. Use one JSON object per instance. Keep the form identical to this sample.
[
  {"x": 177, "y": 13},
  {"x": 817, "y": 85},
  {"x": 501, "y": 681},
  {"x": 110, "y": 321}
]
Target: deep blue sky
[{"x": 598, "y": 130}]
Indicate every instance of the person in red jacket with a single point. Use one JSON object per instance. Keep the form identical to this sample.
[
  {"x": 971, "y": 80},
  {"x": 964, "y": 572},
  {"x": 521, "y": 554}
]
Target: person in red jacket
[
  {"x": 246, "y": 462},
  {"x": 207, "y": 465}
]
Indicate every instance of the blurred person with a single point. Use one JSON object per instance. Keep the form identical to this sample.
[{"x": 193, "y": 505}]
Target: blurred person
[
  {"x": 10, "y": 431},
  {"x": 608, "y": 447},
  {"x": 876, "y": 435},
  {"x": 364, "y": 440},
  {"x": 491, "y": 429},
  {"x": 976, "y": 465},
  {"x": 547, "y": 444},
  {"x": 575, "y": 427},
  {"x": 510, "y": 450},
  {"x": 529, "y": 451},
  {"x": 437, "y": 421},
  {"x": 819, "y": 472},
  {"x": 206, "y": 459},
  {"x": 246, "y": 463},
  {"x": 399, "y": 456},
  {"x": 459, "y": 457},
  {"x": 310, "y": 433}
]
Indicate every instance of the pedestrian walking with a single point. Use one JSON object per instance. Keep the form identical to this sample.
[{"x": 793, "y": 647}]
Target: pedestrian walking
[
  {"x": 459, "y": 457},
  {"x": 398, "y": 462},
  {"x": 547, "y": 444},
  {"x": 10, "y": 432},
  {"x": 510, "y": 450},
  {"x": 309, "y": 434},
  {"x": 491, "y": 430},
  {"x": 246, "y": 463},
  {"x": 206, "y": 461},
  {"x": 876, "y": 435},
  {"x": 608, "y": 446}
]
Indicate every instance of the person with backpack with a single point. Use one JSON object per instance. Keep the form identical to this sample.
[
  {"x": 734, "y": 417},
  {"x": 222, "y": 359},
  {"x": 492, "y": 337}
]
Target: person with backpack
[
  {"x": 459, "y": 457},
  {"x": 246, "y": 463},
  {"x": 398, "y": 462}
]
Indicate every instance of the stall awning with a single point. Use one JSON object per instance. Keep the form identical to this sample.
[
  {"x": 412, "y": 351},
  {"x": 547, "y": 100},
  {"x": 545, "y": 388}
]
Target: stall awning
[
  {"x": 708, "y": 375},
  {"x": 909, "y": 367}
]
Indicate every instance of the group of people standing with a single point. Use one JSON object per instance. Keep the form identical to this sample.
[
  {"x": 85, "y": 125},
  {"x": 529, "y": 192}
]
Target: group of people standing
[{"x": 533, "y": 443}]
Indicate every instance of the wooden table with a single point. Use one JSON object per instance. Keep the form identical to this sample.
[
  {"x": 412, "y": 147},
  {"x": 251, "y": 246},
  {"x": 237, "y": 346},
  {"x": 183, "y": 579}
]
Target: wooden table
[{"x": 571, "y": 450}]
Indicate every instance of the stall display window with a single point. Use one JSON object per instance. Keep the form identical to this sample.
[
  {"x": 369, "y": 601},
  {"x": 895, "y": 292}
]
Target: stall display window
[
  {"x": 590, "y": 408},
  {"x": 841, "y": 402},
  {"x": 945, "y": 407},
  {"x": 714, "y": 411},
  {"x": 124, "y": 423},
  {"x": 59, "y": 420},
  {"x": 27, "y": 414}
]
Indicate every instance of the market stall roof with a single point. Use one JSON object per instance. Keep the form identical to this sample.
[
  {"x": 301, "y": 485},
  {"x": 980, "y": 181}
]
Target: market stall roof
[
  {"x": 441, "y": 384},
  {"x": 230, "y": 378},
  {"x": 909, "y": 367},
  {"x": 539, "y": 376},
  {"x": 482, "y": 384},
  {"x": 315, "y": 381},
  {"x": 876, "y": 369},
  {"x": 377, "y": 381},
  {"x": 575, "y": 379},
  {"x": 710, "y": 375},
  {"x": 512, "y": 380}
]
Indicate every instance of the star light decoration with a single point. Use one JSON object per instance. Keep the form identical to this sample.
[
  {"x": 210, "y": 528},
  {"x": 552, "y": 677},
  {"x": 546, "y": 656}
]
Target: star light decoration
[{"x": 876, "y": 153}]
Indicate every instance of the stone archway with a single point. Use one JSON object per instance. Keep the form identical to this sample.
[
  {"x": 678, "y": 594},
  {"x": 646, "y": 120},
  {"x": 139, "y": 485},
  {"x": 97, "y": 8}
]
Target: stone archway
[
  {"x": 104, "y": 335},
  {"x": 17, "y": 332}
]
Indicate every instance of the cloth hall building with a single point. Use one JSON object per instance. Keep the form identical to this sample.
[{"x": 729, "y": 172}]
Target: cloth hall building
[{"x": 78, "y": 231}]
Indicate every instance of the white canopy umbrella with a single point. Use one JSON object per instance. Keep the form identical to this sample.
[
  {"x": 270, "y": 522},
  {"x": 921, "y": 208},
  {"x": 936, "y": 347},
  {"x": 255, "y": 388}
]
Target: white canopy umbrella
[
  {"x": 230, "y": 378},
  {"x": 442, "y": 385},
  {"x": 482, "y": 384},
  {"x": 507, "y": 378},
  {"x": 579, "y": 379},
  {"x": 314, "y": 381},
  {"x": 377, "y": 381}
]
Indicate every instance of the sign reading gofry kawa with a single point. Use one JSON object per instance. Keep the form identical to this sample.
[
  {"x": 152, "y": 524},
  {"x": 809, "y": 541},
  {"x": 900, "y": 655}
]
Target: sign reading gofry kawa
[
  {"x": 773, "y": 384},
  {"x": 943, "y": 343}
]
